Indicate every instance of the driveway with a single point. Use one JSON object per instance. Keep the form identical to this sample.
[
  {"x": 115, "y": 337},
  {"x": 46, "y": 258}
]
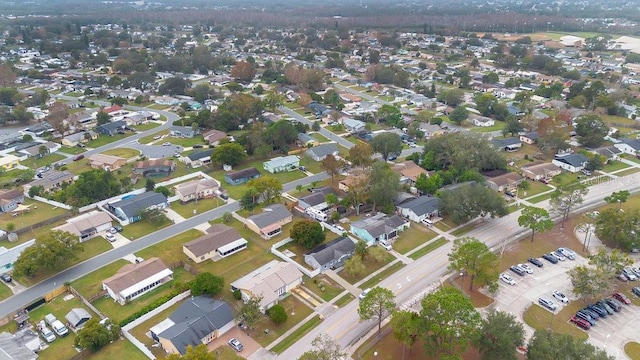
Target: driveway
[
  {"x": 156, "y": 151},
  {"x": 250, "y": 345}
]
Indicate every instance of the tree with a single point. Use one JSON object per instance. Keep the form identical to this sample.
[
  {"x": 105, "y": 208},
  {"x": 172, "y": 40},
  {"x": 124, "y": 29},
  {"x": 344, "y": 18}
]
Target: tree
[
  {"x": 406, "y": 327},
  {"x": 361, "y": 249},
  {"x": 163, "y": 190},
  {"x": 449, "y": 321},
  {"x": 618, "y": 197},
  {"x": 619, "y": 229},
  {"x": 102, "y": 118},
  {"x": 512, "y": 126},
  {"x": 94, "y": 336},
  {"x": 550, "y": 345},
  {"x": 387, "y": 144},
  {"x": 332, "y": 166},
  {"x": 452, "y": 151},
  {"x": 154, "y": 216},
  {"x": 250, "y": 312},
  {"x": 307, "y": 233},
  {"x": 588, "y": 283},
  {"x": 243, "y": 71},
  {"x": 229, "y": 154},
  {"x": 268, "y": 187},
  {"x": 174, "y": 86},
  {"x": 500, "y": 335},
  {"x": 7, "y": 76},
  {"x": 149, "y": 185},
  {"x": 536, "y": 219},
  {"x": 470, "y": 201},
  {"x": 377, "y": 304},
  {"x": 459, "y": 114},
  {"x": 473, "y": 258},
  {"x": 451, "y": 97},
  {"x": 324, "y": 348},
  {"x": 200, "y": 352},
  {"x": 206, "y": 284},
  {"x": 384, "y": 184},
  {"x": 249, "y": 199},
  {"x": 51, "y": 252},
  {"x": 43, "y": 151},
  {"x": 591, "y": 129},
  {"x": 611, "y": 262},
  {"x": 360, "y": 154},
  {"x": 565, "y": 197},
  {"x": 354, "y": 266},
  {"x": 277, "y": 314}
]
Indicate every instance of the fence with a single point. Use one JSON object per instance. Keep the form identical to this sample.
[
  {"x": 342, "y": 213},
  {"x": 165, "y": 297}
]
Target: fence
[
  {"x": 53, "y": 294},
  {"x": 278, "y": 253},
  {"x": 51, "y": 202},
  {"x": 86, "y": 302},
  {"x": 42, "y": 223},
  {"x": 183, "y": 265}
]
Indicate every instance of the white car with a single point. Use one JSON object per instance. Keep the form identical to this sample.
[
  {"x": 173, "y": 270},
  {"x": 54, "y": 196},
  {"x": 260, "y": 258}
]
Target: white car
[
  {"x": 364, "y": 293},
  {"x": 111, "y": 237},
  {"x": 559, "y": 255},
  {"x": 526, "y": 268},
  {"x": 385, "y": 245},
  {"x": 560, "y": 296},
  {"x": 339, "y": 227},
  {"x": 506, "y": 278}
]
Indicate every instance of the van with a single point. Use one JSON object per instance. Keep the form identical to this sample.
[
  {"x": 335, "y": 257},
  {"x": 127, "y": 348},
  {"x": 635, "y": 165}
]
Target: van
[
  {"x": 50, "y": 318},
  {"x": 59, "y": 328},
  {"x": 427, "y": 222},
  {"x": 547, "y": 304},
  {"x": 47, "y": 334}
]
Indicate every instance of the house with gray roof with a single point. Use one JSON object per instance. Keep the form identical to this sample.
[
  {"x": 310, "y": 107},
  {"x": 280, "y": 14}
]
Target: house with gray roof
[
  {"x": 9, "y": 256},
  {"x": 306, "y": 139},
  {"x": 19, "y": 346},
  {"x": 331, "y": 255},
  {"x": 219, "y": 242},
  {"x": 51, "y": 180},
  {"x": 198, "y": 158},
  {"x": 353, "y": 126},
  {"x": 570, "y": 162},
  {"x": 629, "y": 146},
  {"x": 317, "y": 197},
  {"x": 269, "y": 223},
  {"x": 199, "y": 320},
  {"x": 379, "y": 227},
  {"x": 242, "y": 176},
  {"x": 282, "y": 163},
  {"x": 131, "y": 208},
  {"x": 183, "y": 131},
  {"x": 111, "y": 128},
  {"x": 507, "y": 144},
  {"x": 420, "y": 208},
  {"x": 320, "y": 152},
  {"x": 77, "y": 317},
  {"x": 134, "y": 280},
  {"x": 609, "y": 152},
  {"x": 10, "y": 199}
]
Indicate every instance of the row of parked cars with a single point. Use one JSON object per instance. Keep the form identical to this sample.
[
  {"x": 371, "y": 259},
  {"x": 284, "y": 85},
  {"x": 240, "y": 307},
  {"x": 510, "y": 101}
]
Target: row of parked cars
[
  {"x": 587, "y": 317},
  {"x": 554, "y": 257},
  {"x": 630, "y": 274}
]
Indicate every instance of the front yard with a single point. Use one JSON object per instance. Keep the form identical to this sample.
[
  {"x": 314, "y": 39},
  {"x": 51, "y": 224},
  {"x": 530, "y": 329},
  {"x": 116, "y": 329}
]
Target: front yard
[
  {"x": 370, "y": 264},
  {"x": 43, "y": 161},
  {"x": 331, "y": 288},
  {"x": 106, "y": 139},
  {"x": 170, "y": 250},
  {"x": 296, "y": 312},
  {"x": 91, "y": 283},
  {"x": 143, "y": 227},
  {"x": 192, "y": 208},
  {"x": 413, "y": 237},
  {"x": 122, "y": 152}
]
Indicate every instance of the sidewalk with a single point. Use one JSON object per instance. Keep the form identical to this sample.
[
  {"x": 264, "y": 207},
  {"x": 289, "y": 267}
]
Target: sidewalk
[{"x": 342, "y": 282}]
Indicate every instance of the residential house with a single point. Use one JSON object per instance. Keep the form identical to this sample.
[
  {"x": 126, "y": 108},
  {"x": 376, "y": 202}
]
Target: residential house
[
  {"x": 158, "y": 167},
  {"x": 420, "y": 208},
  {"x": 242, "y": 176},
  {"x": 529, "y": 138},
  {"x": 183, "y": 131},
  {"x": 35, "y": 150},
  {"x": 87, "y": 226},
  {"x": 111, "y": 128},
  {"x": 431, "y": 130},
  {"x": 9, "y": 162},
  {"x": 539, "y": 171},
  {"x": 10, "y": 199},
  {"x": 199, "y": 320},
  {"x": 106, "y": 162},
  {"x": 316, "y": 197},
  {"x": 629, "y": 146},
  {"x": 203, "y": 188},
  {"x": 320, "y": 152},
  {"x": 198, "y": 158},
  {"x": 269, "y": 223},
  {"x": 409, "y": 172},
  {"x": 482, "y": 121},
  {"x": 270, "y": 282},
  {"x": 331, "y": 255},
  {"x": 134, "y": 119},
  {"x": 135, "y": 280},
  {"x": 570, "y": 162},
  {"x": 609, "y": 152},
  {"x": 114, "y": 110},
  {"x": 79, "y": 138},
  {"x": 77, "y": 317},
  {"x": 319, "y": 109},
  {"x": 306, "y": 140},
  {"x": 502, "y": 180},
  {"x": 282, "y": 163},
  {"x": 213, "y": 137},
  {"x": 20, "y": 346},
  {"x": 509, "y": 144},
  {"x": 354, "y": 178},
  {"x": 379, "y": 227},
  {"x": 353, "y": 126},
  {"x": 51, "y": 180},
  {"x": 131, "y": 208},
  {"x": 219, "y": 242},
  {"x": 9, "y": 256}
]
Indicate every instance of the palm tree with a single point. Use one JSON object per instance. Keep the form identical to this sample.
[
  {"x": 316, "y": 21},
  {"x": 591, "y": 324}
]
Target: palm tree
[{"x": 361, "y": 249}]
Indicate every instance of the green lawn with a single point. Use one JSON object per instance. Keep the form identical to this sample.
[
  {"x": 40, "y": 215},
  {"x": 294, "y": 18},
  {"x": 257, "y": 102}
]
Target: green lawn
[
  {"x": 428, "y": 248},
  {"x": 535, "y": 188},
  {"x": 38, "y": 212},
  {"x": 120, "y": 349},
  {"x": 344, "y": 300},
  {"x": 540, "y": 198},
  {"x": 147, "y": 126},
  {"x": 150, "y": 138},
  {"x": 371, "y": 265},
  {"x": 632, "y": 349},
  {"x": 186, "y": 210},
  {"x": 104, "y": 140},
  {"x": 77, "y": 167},
  {"x": 139, "y": 332},
  {"x": 170, "y": 250},
  {"x": 463, "y": 230},
  {"x": 540, "y": 318},
  {"x": 565, "y": 178},
  {"x": 296, "y": 335},
  {"x": 319, "y": 137},
  {"x": 331, "y": 289},
  {"x": 74, "y": 150},
  {"x": 311, "y": 165},
  {"x": 91, "y": 283},
  {"x": 499, "y": 125},
  {"x": 143, "y": 227},
  {"x": 382, "y": 275},
  {"x": 46, "y": 160},
  {"x": 613, "y": 166},
  {"x": 122, "y": 152},
  {"x": 628, "y": 172},
  {"x": 184, "y": 142},
  {"x": 158, "y": 107},
  {"x": 412, "y": 238},
  {"x": 296, "y": 312},
  {"x": 5, "y": 292}
]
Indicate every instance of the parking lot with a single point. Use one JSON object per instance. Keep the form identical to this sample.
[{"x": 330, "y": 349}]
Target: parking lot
[{"x": 610, "y": 333}]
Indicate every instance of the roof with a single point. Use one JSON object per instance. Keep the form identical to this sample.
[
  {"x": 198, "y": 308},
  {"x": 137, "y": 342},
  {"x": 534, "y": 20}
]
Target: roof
[
  {"x": 10, "y": 194},
  {"x": 52, "y": 177},
  {"x": 244, "y": 173},
  {"x": 422, "y": 205},
  {"x": 267, "y": 279},
  {"x": 271, "y": 215},
  {"x": 541, "y": 168},
  {"x": 146, "y": 164},
  {"x": 214, "y": 135},
  {"x": 634, "y": 143},
  {"x": 282, "y": 161},
  {"x": 196, "y": 318},
  {"x": 306, "y": 138},
  {"x": 83, "y": 223},
  {"x": 217, "y": 236},
  {"x": 332, "y": 250},
  {"x": 505, "y": 178},
  {"x": 506, "y": 142},
  {"x": 575, "y": 160},
  {"x": 11, "y": 349},
  {"x": 182, "y": 129},
  {"x": 379, "y": 224},
  {"x": 103, "y": 159},
  {"x": 76, "y": 315},
  {"x": 134, "y": 205},
  {"x": 353, "y": 123},
  {"x": 410, "y": 170},
  {"x": 200, "y": 154},
  {"x": 131, "y": 274},
  {"x": 195, "y": 186},
  {"x": 608, "y": 151},
  {"x": 318, "y": 196},
  {"x": 110, "y": 126},
  {"x": 531, "y": 135},
  {"x": 323, "y": 150}
]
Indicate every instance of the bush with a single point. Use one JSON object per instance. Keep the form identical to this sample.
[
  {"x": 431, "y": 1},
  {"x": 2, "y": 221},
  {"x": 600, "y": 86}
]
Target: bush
[
  {"x": 156, "y": 303},
  {"x": 237, "y": 295},
  {"x": 277, "y": 314}
]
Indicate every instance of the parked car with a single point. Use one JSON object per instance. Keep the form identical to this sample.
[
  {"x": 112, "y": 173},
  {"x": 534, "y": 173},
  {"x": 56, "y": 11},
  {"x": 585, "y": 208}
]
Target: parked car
[
  {"x": 603, "y": 304},
  {"x": 536, "y": 262},
  {"x": 594, "y": 315},
  {"x": 364, "y": 293},
  {"x": 139, "y": 260},
  {"x": 224, "y": 196},
  {"x": 614, "y": 304},
  {"x": 236, "y": 344},
  {"x": 622, "y": 277},
  {"x": 113, "y": 230},
  {"x": 630, "y": 275},
  {"x": 526, "y": 268},
  {"x": 385, "y": 245},
  {"x": 6, "y": 278},
  {"x": 78, "y": 157},
  {"x": 636, "y": 271},
  {"x": 518, "y": 270},
  {"x": 560, "y": 296},
  {"x": 567, "y": 252},
  {"x": 547, "y": 303},
  {"x": 583, "y": 315},
  {"x": 559, "y": 256},
  {"x": 581, "y": 323},
  {"x": 197, "y": 146},
  {"x": 636, "y": 291},
  {"x": 550, "y": 258},
  {"x": 167, "y": 144},
  {"x": 622, "y": 298},
  {"x": 507, "y": 279},
  {"x": 47, "y": 334},
  {"x": 118, "y": 228},
  {"x": 110, "y": 237},
  {"x": 601, "y": 311}
]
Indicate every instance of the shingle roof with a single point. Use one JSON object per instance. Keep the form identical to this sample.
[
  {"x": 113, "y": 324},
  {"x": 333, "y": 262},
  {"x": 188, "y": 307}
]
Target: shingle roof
[
  {"x": 11, "y": 349},
  {"x": 52, "y": 177},
  {"x": 318, "y": 196},
  {"x": 200, "y": 154},
  {"x": 323, "y": 150},
  {"x": 218, "y": 236},
  {"x": 113, "y": 125},
  {"x": 134, "y": 205},
  {"x": 332, "y": 250},
  {"x": 506, "y": 142},
  {"x": 422, "y": 205},
  {"x": 267, "y": 279},
  {"x": 76, "y": 315},
  {"x": 82, "y": 224},
  {"x": 575, "y": 160},
  {"x": 244, "y": 173},
  {"x": 132, "y": 274},
  {"x": 271, "y": 215},
  {"x": 195, "y": 186},
  {"x": 634, "y": 143}
]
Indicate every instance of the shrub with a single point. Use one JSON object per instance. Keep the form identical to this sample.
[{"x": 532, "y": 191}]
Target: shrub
[
  {"x": 237, "y": 295},
  {"x": 277, "y": 314},
  {"x": 156, "y": 303}
]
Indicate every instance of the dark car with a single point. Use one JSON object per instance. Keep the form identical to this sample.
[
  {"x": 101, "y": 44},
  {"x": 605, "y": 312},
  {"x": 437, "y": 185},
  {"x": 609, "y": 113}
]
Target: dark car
[
  {"x": 603, "y": 304},
  {"x": 550, "y": 258},
  {"x": 197, "y": 146},
  {"x": 224, "y": 196},
  {"x": 536, "y": 262},
  {"x": 594, "y": 315},
  {"x": 6, "y": 278},
  {"x": 78, "y": 157},
  {"x": 518, "y": 270},
  {"x": 118, "y": 228},
  {"x": 614, "y": 304},
  {"x": 636, "y": 290},
  {"x": 602, "y": 312},
  {"x": 583, "y": 315},
  {"x": 622, "y": 298}
]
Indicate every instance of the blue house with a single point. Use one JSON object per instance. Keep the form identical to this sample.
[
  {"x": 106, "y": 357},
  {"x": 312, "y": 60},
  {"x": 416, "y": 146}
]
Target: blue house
[
  {"x": 131, "y": 208},
  {"x": 111, "y": 128},
  {"x": 379, "y": 227},
  {"x": 242, "y": 176}
]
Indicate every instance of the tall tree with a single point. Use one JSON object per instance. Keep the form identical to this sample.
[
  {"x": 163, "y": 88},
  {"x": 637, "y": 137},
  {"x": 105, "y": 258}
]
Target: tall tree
[
  {"x": 384, "y": 184},
  {"x": 550, "y": 345},
  {"x": 406, "y": 327},
  {"x": 243, "y": 71},
  {"x": 268, "y": 187},
  {"x": 619, "y": 229},
  {"x": 470, "y": 201},
  {"x": 53, "y": 251},
  {"x": 618, "y": 197},
  {"x": 58, "y": 113},
  {"x": 250, "y": 312},
  {"x": 228, "y": 154},
  {"x": 377, "y": 304},
  {"x": 307, "y": 233},
  {"x": 591, "y": 129},
  {"x": 566, "y": 197},
  {"x": 206, "y": 283},
  {"x": 102, "y": 118},
  {"x": 387, "y": 144},
  {"x": 354, "y": 266},
  {"x": 361, "y": 249},
  {"x": 332, "y": 166},
  {"x": 473, "y": 258},
  {"x": 324, "y": 348},
  {"x": 94, "y": 336},
  {"x": 459, "y": 114},
  {"x": 360, "y": 154},
  {"x": 7, "y": 76},
  {"x": 611, "y": 262},
  {"x": 273, "y": 99},
  {"x": 536, "y": 219},
  {"x": 500, "y": 335},
  {"x": 588, "y": 282}
]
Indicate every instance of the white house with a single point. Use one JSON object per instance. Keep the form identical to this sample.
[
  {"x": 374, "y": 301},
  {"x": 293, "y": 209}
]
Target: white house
[
  {"x": 483, "y": 121},
  {"x": 135, "y": 280},
  {"x": 9, "y": 256},
  {"x": 418, "y": 209},
  {"x": 571, "y": 162},
  {"x": 629, "y": 146}
]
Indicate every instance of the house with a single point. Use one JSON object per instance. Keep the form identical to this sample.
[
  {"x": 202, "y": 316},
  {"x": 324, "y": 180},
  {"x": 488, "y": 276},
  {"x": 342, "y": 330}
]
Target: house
[
  {"x": 51, "y": 180},
  {"x": 282, "y": 163},
  {"x": 629, "y": 146},
  {"x": 77, "y": 317},
  {"x": 269, "y": 223},
  {"x": 570, "y": 162},
  {"x": 540, "y": 171},
  {"x": 316, "y": 197},
  {"x": 379, "y": 227},
  {"x": 9, "y": 162},
  {"x": 319, "y": 109},
  {"x": 213, "y": 137},
  {"x": 20, "y": 346},
  {"x": 87, "y": 225},
  {"x": 183, "y": 131},
  {"x": 320, "y": 152},
  {"x": 431, "y": 130},
  {"x": 10, "y": 199},
  {"x": 609, "y": 152},
  {"x": 9, "y": 256},
  {"x": 106, "y": 162},
  {"x": 409, "y": 172},
  {"x": 482, "y": 121},
  {"x": 199, "y": 320},
  {"x": 353, "y": 126},
  {"x": 35, "y": 150},
  {"x": 79, "y": 138},
  {"x": 196, "y": 189},
  {"x": 158, "y": 167},
  {"x": 219, "y": 242},
  {"x": 242, "y": 176},
  {"x": 509, "y": 144},
  {"x": 306, "y": 140},
  {"x": 135, "y": 280},
  {"x": 131, "y": 207},
  {"x": 331, "y": 255},
  {"x": 420, "y": 208},
  {"x": 355, "y": 178},
  {"x": 198, "y": 158},
  {"x": 271, "y": 282},
  {"x": 502, "y": 180},
  {"x": 111, "y": 128},
  {"x": 135, "y": 119},
  {"x": 529, "y": 138},
  {"x": 114, "y": 110}
]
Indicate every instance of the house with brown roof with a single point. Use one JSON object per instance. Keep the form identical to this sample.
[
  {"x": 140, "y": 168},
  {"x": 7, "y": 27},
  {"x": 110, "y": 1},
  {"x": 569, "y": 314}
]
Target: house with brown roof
[
  {"x": 354, "y": 178},
  {"x": 219, "y": 242},
  {"x": 157, "y": 167},
  {"x": 539, "y": 171},
  {"x": 503, "y": 181},
  {"x": 51, "y": 180},
  {"x": 409, "y": 172},
  {"x": 269, "y": 223},
  {"x": 213, "y": 137},
  {"x": 106, "y": 162},
  {"x": 10, "y": 199},
  {"x": 135, "y": 280},
  {"x": 87, "y": 225},
  {"x": 196, "y": 189}
]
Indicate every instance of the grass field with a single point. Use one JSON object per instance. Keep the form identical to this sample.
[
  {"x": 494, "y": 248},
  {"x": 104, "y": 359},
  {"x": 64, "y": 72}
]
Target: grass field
[
  {"x": 371, "y": 265},
  {"x": 143, "y": 227},
  {"x": 296, "y": 312},
  {"x": 75, "y": 150},
  {"x": 535, "y": 188},
  {"x": 170, "y": 250},
  {"x": 540, "y": 198},
  {"x": 344, "y": 300},
  {"x": 119, "y": 349},
  {"x": 632, "y": 349},
  {"x": 428, "y": 248},
  {"x": 296, "y": 335},
  {"x": 412, "y": 238},
  {"x": 147, "y": 126},
  {"x": 540, "y": 318},
  {"x": 122, "y": 152},
  {"x": 186, "y": 210},
  {"x": 38, "y": 211},
  {"x": 46, "y": 160},
  {"x": 331, "y": 289},
  {"x": 91, "y": 283},
  {"x": 613, "y": 166},
  {"x": 382, "y": 275},
  {"x": 104, "y": 140},
  {"x": 5, "y": 292}
]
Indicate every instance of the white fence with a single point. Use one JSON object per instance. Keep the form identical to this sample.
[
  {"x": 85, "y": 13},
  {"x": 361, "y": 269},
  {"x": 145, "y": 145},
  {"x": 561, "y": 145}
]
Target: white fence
[
  {"x": 51, "y": 202},
  {"x": 278, "y": 253}
]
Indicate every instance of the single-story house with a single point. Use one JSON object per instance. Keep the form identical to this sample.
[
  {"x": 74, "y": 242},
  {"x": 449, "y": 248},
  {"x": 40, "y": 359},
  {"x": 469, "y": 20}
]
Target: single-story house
[
  {"x": 220, "y": 241},
  {"x": 77, "y": 317},
  {"x": 539, "y": 171},
  {"x": 331, "y": 255},
  {"x": 353, "y": 126},
  {"x": 135, "y": 119},
  {"x": 199, "y": 320},
  {"x": 135, "y": 280},
  {"x": 282, "y": 163},
  {"x": 317, "y": 197},
  {"x": 213, "y": 137},
  {"x": 106, "y": 162},
  {"x": 9, "y": 162},
  {"x": 198, "y": 158},
  {"x": 379, "y": 227},
  {"x": 271, "y": 282},
  {"x": 482, "y": 121},
  {"x": 111, "y": 128},
  {"x": 157, "y": 167},
  {"x": 10, "y": 199},
  {"x": 9, "y": 256},
  {"x": 20, "y": 346},
  {"x": 431, "y": 130},
  {"x": 319, "y": 109},
  {"x": 79, "y": 138},
  {"x": 629, "y": 146},
  {"x": 183, "y": 131},
  {"x": 269, "y": 223},
  {"x": 307, "y": 140},
  {"x": 502, "y": 180},
  {"x": 196, "y": 189},
  {"x": 570, "y": 162},
  {"x": 354, "y": 178},
  {"x": 529, "y": 138},
  {"x": 609, "y": 152},
  {"x": 320, "y": 152},
  {"x": 509, "y": 144},
  {"x": 130, "y": 208},
  {"x": 87, "y": 225},
  {"x": 409, "y": 172},
  {"x": 51, "y": 180},
  {"x": 34, "y": 151},
  {"x": 242, "y": 176},
  {"x": 420, "y": 208}
]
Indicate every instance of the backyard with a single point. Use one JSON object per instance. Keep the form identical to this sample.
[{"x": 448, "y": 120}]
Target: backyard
[
  {"x": 119, "y": 349},
  {"x": 37, "y": 212}
]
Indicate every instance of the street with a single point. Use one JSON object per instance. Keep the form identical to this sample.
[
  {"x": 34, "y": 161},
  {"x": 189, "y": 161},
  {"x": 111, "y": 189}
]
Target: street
[{"x": 324, "y": 132}]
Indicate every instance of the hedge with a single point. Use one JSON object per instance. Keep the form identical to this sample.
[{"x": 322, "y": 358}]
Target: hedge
[{"x": 180, "y": 288}]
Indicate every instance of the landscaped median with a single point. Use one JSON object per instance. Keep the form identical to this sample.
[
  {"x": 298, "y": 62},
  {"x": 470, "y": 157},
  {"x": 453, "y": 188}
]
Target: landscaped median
[{"x": 632, "y": 349}]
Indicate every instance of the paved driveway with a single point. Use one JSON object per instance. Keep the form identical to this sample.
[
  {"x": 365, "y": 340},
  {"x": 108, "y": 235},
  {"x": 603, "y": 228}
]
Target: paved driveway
[
  {"x": 156, "y": 151},
  {"x": 250, "y": 345}
]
